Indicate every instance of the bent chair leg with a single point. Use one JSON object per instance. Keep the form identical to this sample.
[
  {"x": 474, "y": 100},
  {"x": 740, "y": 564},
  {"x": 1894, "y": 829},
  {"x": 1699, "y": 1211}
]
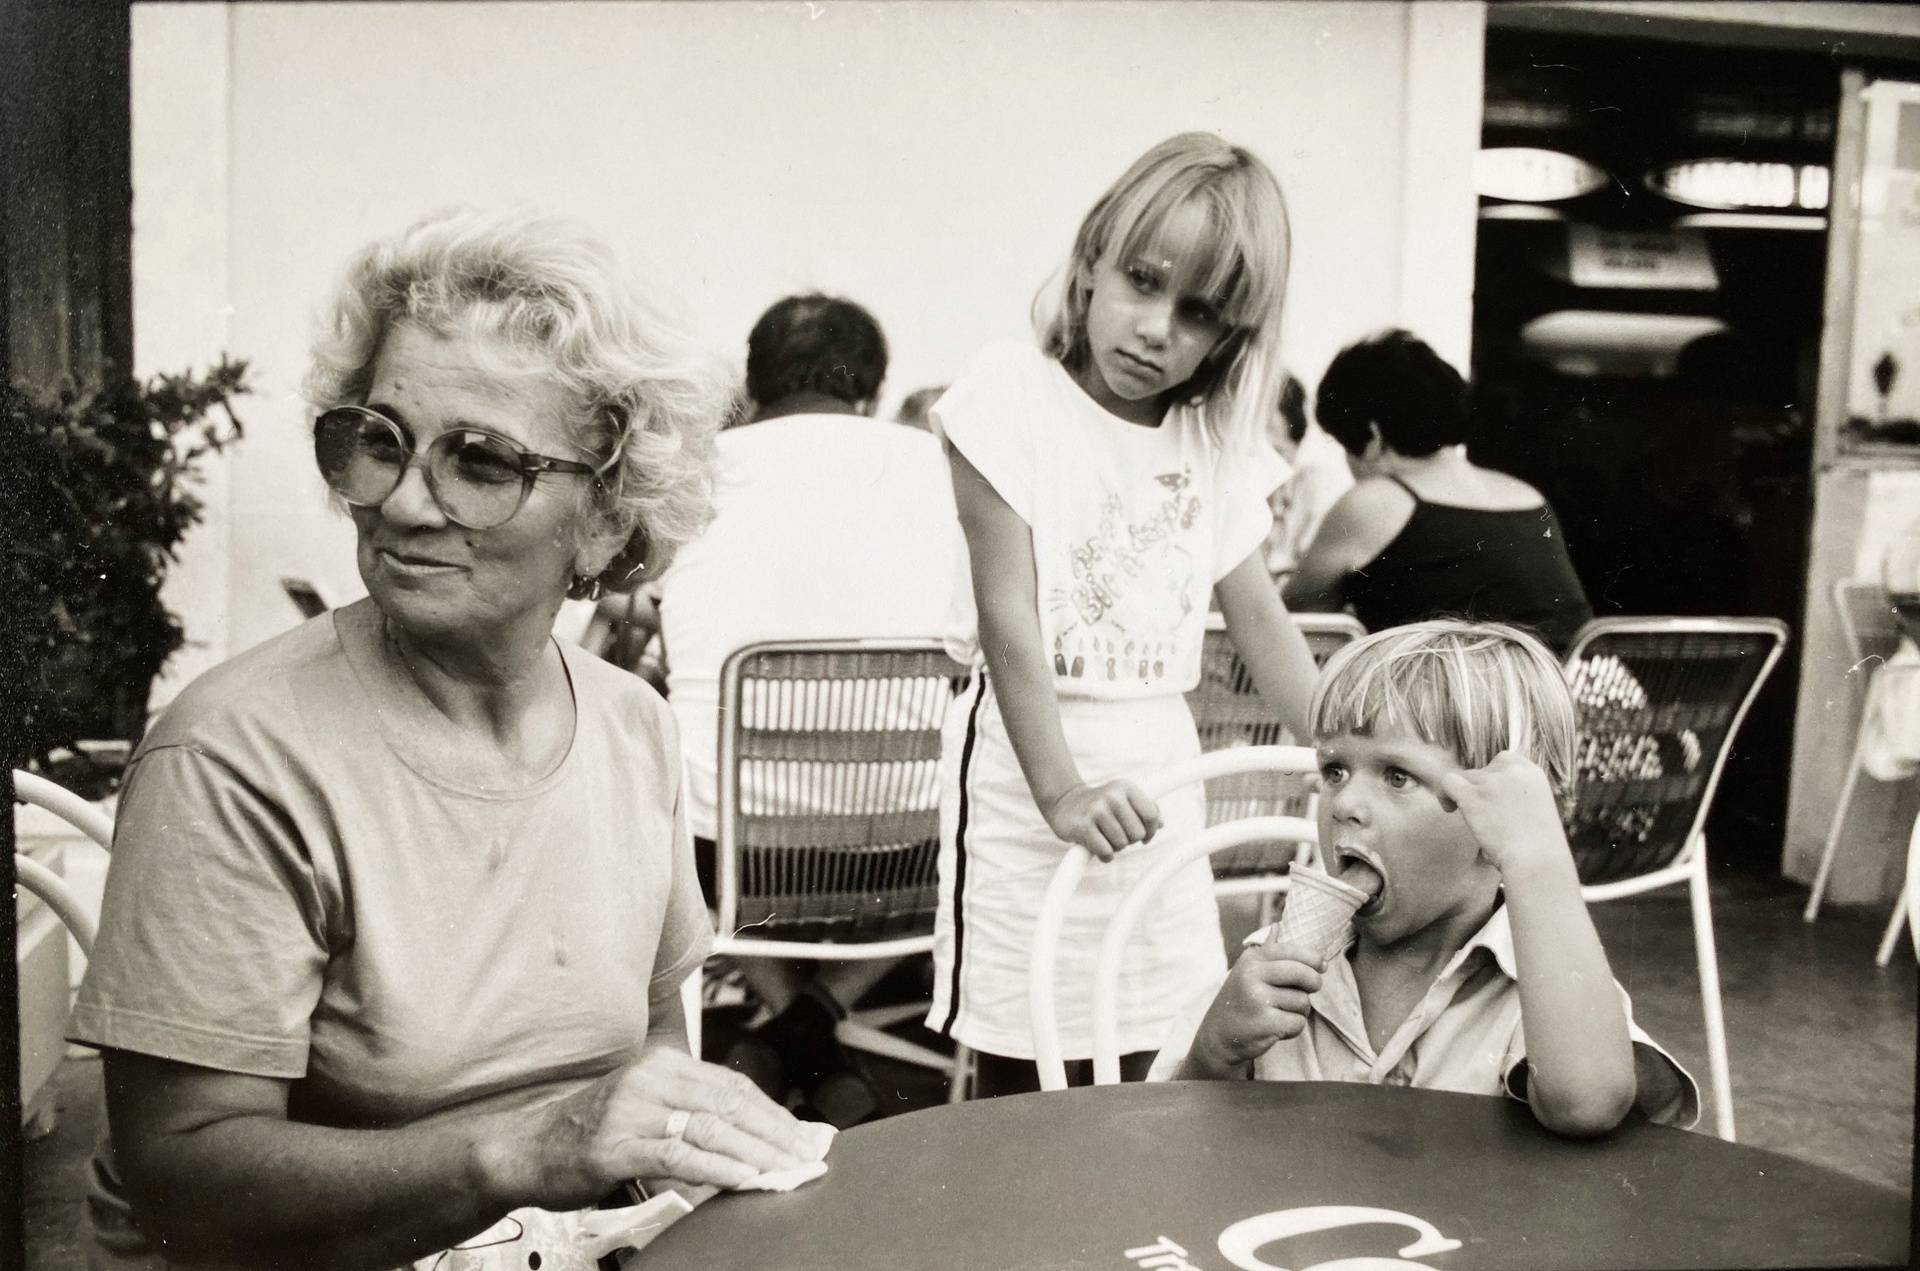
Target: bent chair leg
[
  {"x": 1903, "y": 904},
  {"x": 1913, "y": 882},
  {"x": 1894, "y": 925},
  {"x": 1721, "y": 1079},
  {"x": 1833, "y": 832},
  {"x": 690, "y": 1000},
  {"x": 960, "y": 1083},
  {"x": 876, "y": 1041}
]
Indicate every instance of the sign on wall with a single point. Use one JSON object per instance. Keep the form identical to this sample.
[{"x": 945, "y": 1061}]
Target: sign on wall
[{"x": 1659, "y": 260}]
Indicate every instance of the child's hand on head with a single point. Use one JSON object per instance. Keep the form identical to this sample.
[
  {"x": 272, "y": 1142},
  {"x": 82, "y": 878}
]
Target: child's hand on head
[
  {"x": 1510, "y": 808},
  {"x": 1263, "y": 1001},
  {"x": 1104, "y": 817}
]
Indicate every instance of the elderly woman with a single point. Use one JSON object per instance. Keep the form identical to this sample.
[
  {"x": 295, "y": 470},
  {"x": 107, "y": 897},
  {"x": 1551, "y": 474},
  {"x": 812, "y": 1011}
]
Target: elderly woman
[
  {"x": 402, "y": 901},
  {"x": 1425, "y": 532}
]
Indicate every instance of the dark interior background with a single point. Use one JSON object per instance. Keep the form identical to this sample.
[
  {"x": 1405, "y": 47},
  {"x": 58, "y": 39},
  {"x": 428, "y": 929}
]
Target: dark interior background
[{"x": 1687, "y": 492}]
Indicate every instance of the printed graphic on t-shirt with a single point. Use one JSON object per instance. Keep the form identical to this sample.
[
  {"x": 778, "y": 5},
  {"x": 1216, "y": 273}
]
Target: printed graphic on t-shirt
[{"x": 1132, "y": 587}]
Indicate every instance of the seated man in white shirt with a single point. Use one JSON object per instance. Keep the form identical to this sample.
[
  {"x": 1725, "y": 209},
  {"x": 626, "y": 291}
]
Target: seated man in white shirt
[{"x": 827, "y": 524}]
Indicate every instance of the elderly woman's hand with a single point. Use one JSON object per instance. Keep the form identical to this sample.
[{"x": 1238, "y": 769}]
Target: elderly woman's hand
[{"x": 667, "y": 1115}]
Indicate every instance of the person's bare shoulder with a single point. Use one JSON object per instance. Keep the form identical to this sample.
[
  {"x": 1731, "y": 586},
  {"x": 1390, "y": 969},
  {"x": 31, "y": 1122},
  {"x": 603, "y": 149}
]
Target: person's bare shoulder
[
  {"x": 1356, "y": 529},
  {"x": 1372, "y": 512},
  {"x": 1503, "y": 491}
]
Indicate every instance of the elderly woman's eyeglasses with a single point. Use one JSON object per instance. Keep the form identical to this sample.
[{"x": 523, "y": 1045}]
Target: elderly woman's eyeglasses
[{"x": 479, "y": 479}]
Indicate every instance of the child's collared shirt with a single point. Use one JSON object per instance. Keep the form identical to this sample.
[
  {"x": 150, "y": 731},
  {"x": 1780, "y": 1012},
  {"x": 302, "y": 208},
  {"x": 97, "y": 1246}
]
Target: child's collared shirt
[{"x": 1463, "y": 1035}]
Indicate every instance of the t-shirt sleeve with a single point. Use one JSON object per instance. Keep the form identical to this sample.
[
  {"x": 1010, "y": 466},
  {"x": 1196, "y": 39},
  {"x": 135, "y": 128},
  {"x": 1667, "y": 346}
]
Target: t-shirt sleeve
[
  {"x": 1654, "y": 1071},
  {"x": 213, "y": 938},
  {"x": 686, "y": 933},
  {"x": 1245, "y": 477},
  {"x": 985, "y": 417}
]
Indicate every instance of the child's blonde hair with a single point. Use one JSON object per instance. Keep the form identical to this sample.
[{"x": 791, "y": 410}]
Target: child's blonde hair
[
  {"x": 1247, "y": 256},
  {"x": 1475, "y": 688}
]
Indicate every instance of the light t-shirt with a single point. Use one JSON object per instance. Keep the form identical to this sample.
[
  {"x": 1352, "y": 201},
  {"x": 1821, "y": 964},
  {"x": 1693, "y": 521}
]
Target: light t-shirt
[
  {"x": 1131, "y": 525},
  {"x": 302, "y": 889},
  {"x": 1464, "y": 1035},
  {"x": 825, "y": 527}
]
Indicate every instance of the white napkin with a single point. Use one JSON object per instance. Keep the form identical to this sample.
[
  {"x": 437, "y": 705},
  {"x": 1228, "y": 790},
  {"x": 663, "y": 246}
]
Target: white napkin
[{"x": 784, "y": 1180}]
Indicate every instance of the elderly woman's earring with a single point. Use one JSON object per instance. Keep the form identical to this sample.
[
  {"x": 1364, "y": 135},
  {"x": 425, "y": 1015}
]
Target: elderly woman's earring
[
  {"x": 585, "y": 588},
  {"x": 631, "y": 560}
]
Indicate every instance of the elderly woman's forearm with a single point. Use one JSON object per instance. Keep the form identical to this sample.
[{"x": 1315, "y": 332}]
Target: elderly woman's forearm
[{"x": 260, "y": 1191}]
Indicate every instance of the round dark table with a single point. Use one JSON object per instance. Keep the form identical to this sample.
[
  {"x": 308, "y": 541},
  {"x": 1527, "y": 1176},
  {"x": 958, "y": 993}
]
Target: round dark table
[{"x": 1224, "y": 1175}]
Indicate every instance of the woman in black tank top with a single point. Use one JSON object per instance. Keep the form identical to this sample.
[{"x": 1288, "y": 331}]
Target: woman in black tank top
[{"x": 1426, "y": 533}]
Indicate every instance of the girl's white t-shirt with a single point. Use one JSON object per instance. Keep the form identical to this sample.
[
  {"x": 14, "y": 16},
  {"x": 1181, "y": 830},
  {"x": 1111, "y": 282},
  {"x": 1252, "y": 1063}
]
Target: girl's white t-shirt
[{"x": 1131, "y": 525}]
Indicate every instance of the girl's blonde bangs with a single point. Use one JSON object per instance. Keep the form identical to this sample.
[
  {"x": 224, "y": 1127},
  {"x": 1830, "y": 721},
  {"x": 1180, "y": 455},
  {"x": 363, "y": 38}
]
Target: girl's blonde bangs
[{"x": 1233, "y": 269}]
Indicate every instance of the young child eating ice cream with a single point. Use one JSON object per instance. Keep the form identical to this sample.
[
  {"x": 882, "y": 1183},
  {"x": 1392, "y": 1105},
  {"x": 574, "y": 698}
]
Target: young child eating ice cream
[{"x": 1472, "y": 964}]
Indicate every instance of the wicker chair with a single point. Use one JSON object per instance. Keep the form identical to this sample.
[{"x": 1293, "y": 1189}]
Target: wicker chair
[
  {"x": 1660, "y": 702},
  {"x": 829, "y": 811},
  {"x": 1228, "y": 712}
]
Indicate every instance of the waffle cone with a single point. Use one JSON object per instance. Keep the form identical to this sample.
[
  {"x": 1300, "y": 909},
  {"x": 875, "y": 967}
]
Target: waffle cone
[{"x": 1319, "y": 912}]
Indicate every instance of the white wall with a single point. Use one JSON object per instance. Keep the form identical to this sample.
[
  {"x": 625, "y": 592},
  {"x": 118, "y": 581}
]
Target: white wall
[
  {"x": 928, "y": 160},
  {"x": 179, "y": 86}
]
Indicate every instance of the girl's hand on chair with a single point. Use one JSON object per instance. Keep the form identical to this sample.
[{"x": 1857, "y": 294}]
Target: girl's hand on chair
[
  {"x": 667, "y": 1115},
  {"x": 1263, "y": 1001},
  {"x": 1103, "y": 817}
]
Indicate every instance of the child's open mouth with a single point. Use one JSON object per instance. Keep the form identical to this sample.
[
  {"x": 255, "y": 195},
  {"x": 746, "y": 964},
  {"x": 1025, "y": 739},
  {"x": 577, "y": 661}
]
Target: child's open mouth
[{"x": 1357, "y": 867}]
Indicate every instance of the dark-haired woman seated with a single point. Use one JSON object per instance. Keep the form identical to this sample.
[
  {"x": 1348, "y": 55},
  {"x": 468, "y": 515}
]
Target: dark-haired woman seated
[{"x": 1425, "y": 532}]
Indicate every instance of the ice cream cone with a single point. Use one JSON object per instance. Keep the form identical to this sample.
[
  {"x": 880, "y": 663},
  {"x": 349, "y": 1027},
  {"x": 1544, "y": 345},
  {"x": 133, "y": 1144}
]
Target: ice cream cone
[{"x": 1319, "y": 912}]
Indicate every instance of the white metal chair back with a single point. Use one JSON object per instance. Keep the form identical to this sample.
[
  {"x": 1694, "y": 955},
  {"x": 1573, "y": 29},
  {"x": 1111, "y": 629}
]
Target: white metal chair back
[
  {"x": 1228, "y": 712},
  {"x": 1660, "y": 702},
  {"x": 43, "y": 882},
  {"x": 1277, "y": 761}
]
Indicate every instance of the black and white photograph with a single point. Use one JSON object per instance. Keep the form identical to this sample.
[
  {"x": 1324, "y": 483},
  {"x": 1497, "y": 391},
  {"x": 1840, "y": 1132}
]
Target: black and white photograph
[{"x": 891, "y": 635}]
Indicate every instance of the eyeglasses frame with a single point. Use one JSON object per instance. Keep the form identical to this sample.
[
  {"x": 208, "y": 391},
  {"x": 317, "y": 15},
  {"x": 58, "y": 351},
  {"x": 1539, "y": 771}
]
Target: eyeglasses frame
[{"x": 531, "y": 463}]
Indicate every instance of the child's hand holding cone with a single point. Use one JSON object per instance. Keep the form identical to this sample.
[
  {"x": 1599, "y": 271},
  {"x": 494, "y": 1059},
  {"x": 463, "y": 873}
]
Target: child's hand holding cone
[
  {"x": 1318, "y": 915},
  {"x": 1264, "y": 999}
]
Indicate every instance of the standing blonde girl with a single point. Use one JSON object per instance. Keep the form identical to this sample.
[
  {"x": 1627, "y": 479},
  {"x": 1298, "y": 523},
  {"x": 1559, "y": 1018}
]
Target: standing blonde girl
[{"x": 1107, "y": 481}]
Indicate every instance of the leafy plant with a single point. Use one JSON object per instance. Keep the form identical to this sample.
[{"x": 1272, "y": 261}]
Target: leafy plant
[{"x": 101, "y": 479}]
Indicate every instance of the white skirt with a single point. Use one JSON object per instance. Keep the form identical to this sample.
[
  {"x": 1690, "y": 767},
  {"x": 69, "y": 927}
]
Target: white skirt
[{"x": 994, "y": 872}]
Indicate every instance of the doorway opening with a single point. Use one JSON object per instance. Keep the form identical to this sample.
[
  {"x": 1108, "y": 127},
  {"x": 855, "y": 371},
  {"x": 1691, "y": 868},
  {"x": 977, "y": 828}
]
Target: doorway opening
[{"x": 1649, "y": 282}]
